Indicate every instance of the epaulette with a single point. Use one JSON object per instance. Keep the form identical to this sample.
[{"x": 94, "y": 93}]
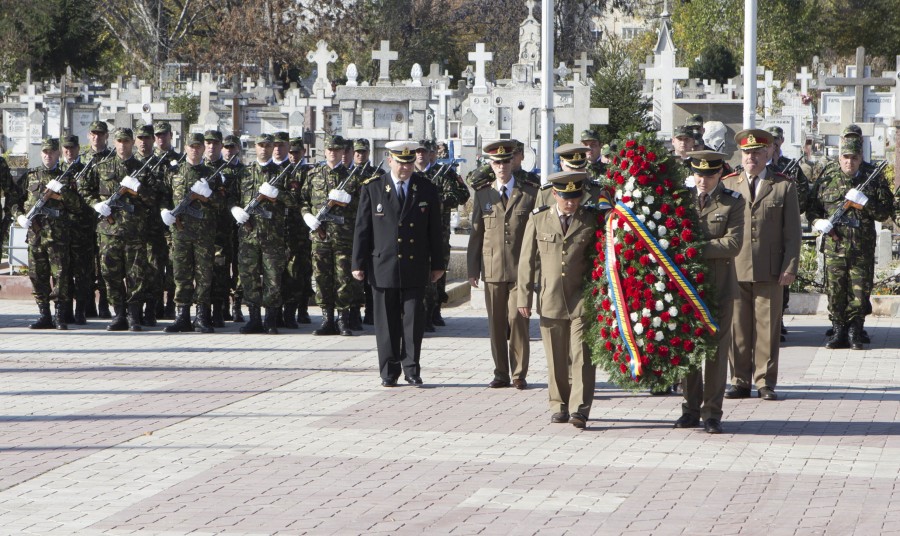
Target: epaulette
[
  {"x": 481, "y": 186},
  {"x": 732, "y": 193},
  {"x": 538, "y": 210},
  {"x": 735, "y": 174},
  {"x": 370, "y": 179},
  {"x": 547, "y": 185}
]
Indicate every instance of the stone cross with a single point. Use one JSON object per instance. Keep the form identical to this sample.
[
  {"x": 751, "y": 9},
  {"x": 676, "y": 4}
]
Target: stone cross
[
  {"x": 480, "y": 57},
  {"x": 114, "y": 103},
  {"x": 384, "y": 56},
  {"x": 581, "y": 116},
  {"x": 207, "y": 87},
  {"x": 293, "y": 102},
  {"x": 730, "y": 87},
  {"x": 804, "y": 76},
  {"x": 320, "y": 102},
  {"x": 32, "y": 98},
  {"x": 322, "y": 56},
  {"x": 648, "y": 84},
  {"x": 666, "y": 73},
  {"x": 441, "y": 93},
  {"x": 248, "y": 85},
  {"x": 859, "y": 83},
  {"x": 562, "y": 71},
  {"x": 769, "y": 86},
  {"x": 847, "y": 115},
  {"x": 582, "y": 64}
]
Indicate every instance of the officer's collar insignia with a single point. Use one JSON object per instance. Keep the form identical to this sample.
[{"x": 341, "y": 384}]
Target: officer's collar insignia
[
  {"x": 387, "y": 188},
  {"x": 414, "y": 187}
]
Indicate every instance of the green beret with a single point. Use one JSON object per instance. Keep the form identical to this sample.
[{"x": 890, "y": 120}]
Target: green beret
[
  {"x": 123, "y": 134},
  {"x": 361, "y": 144},
  {"x": 162, "y": 127},
  {"x": 231, "y": 140},
  {"x": 851, "y": 145},
  {"x": 144, "y": 131},
  {"x": 70, "y": 141},
  {"x": 589, "y": 135},
  {"x": 212, "y": 135},
  {"x": 50, "y": 144},
  {"x": 195, "y": 138},
  {"x": 264, "y": 138},
  {"x": 281, "y": 137},
  {"x": 99, "y": 126}
]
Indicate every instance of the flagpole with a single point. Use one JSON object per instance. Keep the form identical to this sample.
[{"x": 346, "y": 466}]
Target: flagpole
[
  {"x": 749, "y": 63},
  {"x": 547, "y": 81}
]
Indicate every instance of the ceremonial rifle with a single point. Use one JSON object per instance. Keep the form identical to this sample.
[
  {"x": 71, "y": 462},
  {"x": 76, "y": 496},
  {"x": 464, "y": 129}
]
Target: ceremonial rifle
[
  {"x": 40, "y": 208},
  {"x": 325, "y": 214},
  {"x": 253, "y": 207},
  {"x": 847, "y": 204},
  {"x": 184, "y": 207},
  {"x": 114, "y": 200}
]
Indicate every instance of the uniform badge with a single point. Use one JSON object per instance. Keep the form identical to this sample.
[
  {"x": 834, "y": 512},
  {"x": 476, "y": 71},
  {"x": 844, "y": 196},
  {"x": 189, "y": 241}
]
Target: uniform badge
[
  {"x": 387, "y": 188},
  {"x": 379, "y": 208},
  {"x": 488, "y": 207}
]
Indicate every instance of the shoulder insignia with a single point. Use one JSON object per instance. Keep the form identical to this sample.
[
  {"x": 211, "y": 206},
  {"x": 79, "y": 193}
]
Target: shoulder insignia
[
  {"x": 732, "y": 193},
  {"x": 735, "y": 174},
  {"x": 481, "y": 186},
  {"x": 372, "y": 178},
  {"x": 547, "y": 185},
  {"x": 538, "y": 210}
]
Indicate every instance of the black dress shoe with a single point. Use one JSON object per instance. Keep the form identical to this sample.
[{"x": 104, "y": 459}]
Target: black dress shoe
[
  {"x": 766, "y": 393},
  {"x": 687, "y": 421},
  {"x": 737, "y": 392},
  {"x": 498, "y": 384},
  {"x": 414, "y": 380},
  {"x": 712, "y": 426},
  {"x": 389, "y": 383},
  {"x": 578, "y": 420},
  {"x": 520, "y": 384},
  {"x": 559, "y": 417}
]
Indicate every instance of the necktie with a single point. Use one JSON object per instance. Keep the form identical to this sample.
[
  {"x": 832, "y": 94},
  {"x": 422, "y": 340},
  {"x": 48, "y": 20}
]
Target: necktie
[
  {"x": 564, "y": 221},
  {"x": 753, "y": 180},
  {"x": 503, "y": 197},
  {"x": 703, "y": 199},
  {"x": 401, "y": 192}
]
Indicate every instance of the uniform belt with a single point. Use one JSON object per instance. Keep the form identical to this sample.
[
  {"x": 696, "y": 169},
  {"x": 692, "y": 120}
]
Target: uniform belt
[{"x": 852, "y": 223}]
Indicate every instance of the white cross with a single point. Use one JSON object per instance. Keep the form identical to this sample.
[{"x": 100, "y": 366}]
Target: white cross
[
  {"x": 730, "y": 87},
  {"x": 582, "y": 64},
  {"x": 442, "y": 92},
  {"x": 320, "y": 102},
  {"x": 769, "y": 85},
  {"x": 859, "y": 82},
  {"x": 207, "y": 88},
  {"x": 530, "y": 5},
  {"x": 248, "y": 85},
  {"x": 480, "y": 57},
  {"x": 847, "y": 115},
  {"x": 384, "y": 56},
  {"x": 581, "y": 116},
  {"x": 562, "y": 71},
  {"x": 114, "y": 103},
  {"x": 804, "y": 76},
  {"x": 32, "y": 98},
  {"x": 666, "y": 73},
  {"x": 293, "y": 102},
  {"x": 322, "y": 56}
]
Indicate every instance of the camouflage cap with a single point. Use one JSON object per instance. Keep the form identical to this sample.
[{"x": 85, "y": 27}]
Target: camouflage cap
[
  {"x": 361, "y": 144},
  {"x": 589, "y": 135},
  {"x": 70, "y": 141},
  {"x": 852, "y": 130},
  {"x": 124, "y": 134},
  {"x": 195, "y": 138},
  {"x": 683, "y": 131},
  {"x": 99, "y": 126},
  {"x": 777, "y": 132},
  {"x": 162, "y": 127},
  {"x": 231, "y": 140},
  {"x": 696, "y": 120},
  {"x": 334, "y": 142},
  {"x": 264, "y": 138},
  {"x": 606, "y": 150},
  {"x": 851, "y": 145},
  {"x": 212, "y": 135},
  {"x": 50, "y": 144},
  {"x": 281, "y": 137},
  {"x": 348, "y": 144},
  {"x": 295, "y": 145},
  {"x": 144, "y": 131}
]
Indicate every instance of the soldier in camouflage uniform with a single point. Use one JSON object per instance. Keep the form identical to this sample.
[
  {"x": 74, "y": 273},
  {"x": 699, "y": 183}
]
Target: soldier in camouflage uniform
[
  {"x": 262, "y": 254},
  {"x": 222, "y": 228},
  {"x": 193, "y": 236},
  {"x": 98, "y": 136},
  {"x": 281, "y": 158},
  {"x": 849, "y": 244},
  {"x": 232, "y": 176},
  {"x": 596, "y": 168},
  {"x": 162, "y": 132},
  {"x": 297, "y": 282},
  {"x": 332, "y": 243},
  {"x": 123, "y": 229},
  {"x": 154, "y": 182},
  {"x": 12, "y": 196},
  {"x": 361, "y": 152},
  {"x": 48, "y": 234}
]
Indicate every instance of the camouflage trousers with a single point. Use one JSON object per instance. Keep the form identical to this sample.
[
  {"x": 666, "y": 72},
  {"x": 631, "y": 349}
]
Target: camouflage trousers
[
  {"x": 261, "y": 267},
  {"x": 82, "y": 252},
  {"x": 847, "y": 285},
  {"x": 160, "y": 263},
  {"x": 48, "y": 259},
  {"x": 224, "y": 256},
  {"x": 335, "y": 286},
  {"x": 192, "y": 263},
  {"x": 296, "y": 284},
  {"x": 237, "y": 290},
  {"x": 124, "y": 268}
]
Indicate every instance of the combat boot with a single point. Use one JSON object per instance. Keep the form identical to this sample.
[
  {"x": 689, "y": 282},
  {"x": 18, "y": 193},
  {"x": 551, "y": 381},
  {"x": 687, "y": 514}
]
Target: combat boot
[
  {"x": 436, "y": 317},
  {"x": 289, "y": 314},
  {"x": 169, "y": 310},
  {"x": 60, "y": 318},
  {"x": 217, "y": 320},
  {"x": 838, "y": 341},
  {"x": 45, "y": 321},
  {"x": 854, "y": 335},
  {"x": 226, "y": 312},
  {"x": 119, "y": 322},
  {"x": 182, "y": 322},
  {"x": 327, "y": 327},
  {"x": 343, "y": 323},
  {"x": 429, "y": 325},
  {"x": 303, "y": 313},
  {"x": 279, "y": 317},
  {"x": 271, "y": 322},
  {"x": 863, "y": 334},
  {"x": 68, "y": 311},
  {"x": 80, "y": 316},
  {"x": 202, "y": 322},
  {"x": 103, "y": 307},
  {"x": 150, "y": 314},
  {"x": 236, "y": 310},
  {"x": 134, "y": 316},
  {"x": 355, "y": 319},
  {"x": 254, "y": 325}
]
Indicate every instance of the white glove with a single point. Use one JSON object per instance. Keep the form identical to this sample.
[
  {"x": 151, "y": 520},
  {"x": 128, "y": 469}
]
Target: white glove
[
  {"x": 823, "y": 226},
  {"x": 131, "y": 183},
  {"x": 23, "y": 222},
  {"x": 240, "y": 215},
  {"x": 311, "y": 221},
  {"x": 167, "y": 217},
  {"x": 855, "y": 196},
  {"x": 103, "y": 209},
  {"x": 202, "y": 188},
  {"x": 340, "y": 196},
  {"x": 268, "y": 190},
  {"x": 55, "y": 186}
]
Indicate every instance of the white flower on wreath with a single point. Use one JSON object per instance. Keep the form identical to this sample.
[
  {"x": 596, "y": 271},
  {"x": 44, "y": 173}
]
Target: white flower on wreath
[
  {"x": 645, "y": 312},
  {"x": 662, "y": 231},
  {"x": 638, "y": 194},
  {"x": 642, "y": 218},
  {"x": 658, "y": 336},
  {"x": 638, "y": 329},
  {"x": 656, "y": 322},
  {"x": 660, "y": 270},
  {"x": 627, "y": 227},
  {"x": 651, "y": 225},
  {"x": 664, "y": 244},
  {"x": 649, "y": 199},
  {"x": 671, "y": 326},
  {"x": 630, "y": 204},
  {"x": 640, "y": 342},
  {"x": 659, "y": 286},
  {"x": 633, "y": 316},
  {"x": 612, "y": 307},
  {"x": 659, "y": 305},
  {"x": 673, "y": 312},
  {"x": 657, "y": 215},
  {"x": 618, "y": 193},
  {"x": 645, "y": 210},
  {"x": 668, "y": 297},
  {"x": 629, "y": 187}
]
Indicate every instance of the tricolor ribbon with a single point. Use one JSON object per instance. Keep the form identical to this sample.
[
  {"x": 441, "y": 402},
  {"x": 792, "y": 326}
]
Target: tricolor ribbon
[{"x": 626, "y": 332}]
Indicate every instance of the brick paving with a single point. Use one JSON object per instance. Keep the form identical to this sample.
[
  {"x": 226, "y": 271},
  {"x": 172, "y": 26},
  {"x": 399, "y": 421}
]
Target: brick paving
[{"x": 149, "y": 433}]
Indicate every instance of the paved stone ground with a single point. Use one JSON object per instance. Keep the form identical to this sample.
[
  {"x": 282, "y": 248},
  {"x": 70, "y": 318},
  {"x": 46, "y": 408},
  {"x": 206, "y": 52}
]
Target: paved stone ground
[{"x": 120, "y": 433}]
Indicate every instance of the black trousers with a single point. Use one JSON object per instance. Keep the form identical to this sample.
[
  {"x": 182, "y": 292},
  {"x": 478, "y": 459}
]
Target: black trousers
[{"x": 399, "y": 328}]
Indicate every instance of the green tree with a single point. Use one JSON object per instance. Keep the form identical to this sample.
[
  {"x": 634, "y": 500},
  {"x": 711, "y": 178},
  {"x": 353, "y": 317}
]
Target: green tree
[
  {"x": 715, "y": 63},
  {"x": 617, "y": 86}
]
